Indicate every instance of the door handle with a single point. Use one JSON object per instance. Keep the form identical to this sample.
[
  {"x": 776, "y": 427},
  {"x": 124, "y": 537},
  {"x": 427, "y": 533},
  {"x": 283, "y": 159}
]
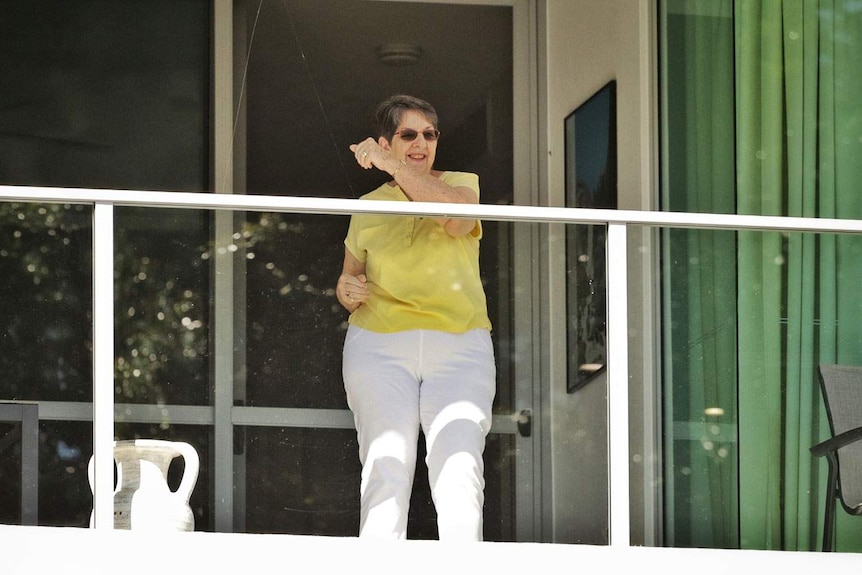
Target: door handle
[{"x": 525, "y": 423}]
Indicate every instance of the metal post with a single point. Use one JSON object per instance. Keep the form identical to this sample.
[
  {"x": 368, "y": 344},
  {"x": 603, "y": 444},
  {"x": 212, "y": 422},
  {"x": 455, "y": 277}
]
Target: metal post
[
  {"x": 25, "y": 414},
  {"x": 618, "y": 387},
  {"x": 223, "y": 276},
  {"x": 30, "y": 464},
  {"x": 103, "y": 366}
]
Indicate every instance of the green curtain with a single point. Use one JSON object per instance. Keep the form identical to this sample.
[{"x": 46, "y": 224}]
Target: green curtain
[
  {"x": 700, "y": 283},
  {"x": 768, "y": 90},
  {"x": 798, "y": 153},
  {"x": 760, "y": 264}
]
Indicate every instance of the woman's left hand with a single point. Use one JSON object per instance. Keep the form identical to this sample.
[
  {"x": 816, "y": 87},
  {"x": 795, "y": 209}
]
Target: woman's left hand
[{"x": 369, "y": 154}]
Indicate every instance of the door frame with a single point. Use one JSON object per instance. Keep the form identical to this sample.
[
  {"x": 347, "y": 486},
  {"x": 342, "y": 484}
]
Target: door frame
[{"x": 228, "y": 176}]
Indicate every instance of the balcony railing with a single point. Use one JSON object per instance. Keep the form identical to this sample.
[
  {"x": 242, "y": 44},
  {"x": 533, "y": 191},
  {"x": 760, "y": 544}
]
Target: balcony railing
[{"x": 618, "y": 222}]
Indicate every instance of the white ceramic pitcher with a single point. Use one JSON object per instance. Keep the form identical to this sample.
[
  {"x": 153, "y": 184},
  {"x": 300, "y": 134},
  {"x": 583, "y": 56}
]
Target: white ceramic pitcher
[{"x": 142, "y": 498}]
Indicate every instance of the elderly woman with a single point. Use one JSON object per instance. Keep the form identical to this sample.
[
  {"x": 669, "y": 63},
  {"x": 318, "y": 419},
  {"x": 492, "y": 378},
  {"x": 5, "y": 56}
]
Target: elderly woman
[{"x": 418, "y": 351}]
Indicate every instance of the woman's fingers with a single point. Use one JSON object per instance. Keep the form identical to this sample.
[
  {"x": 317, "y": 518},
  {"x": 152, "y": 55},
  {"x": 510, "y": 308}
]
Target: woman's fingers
[
  {"x": 353, "y": 288},
  {"x": 365, "y": 152}
]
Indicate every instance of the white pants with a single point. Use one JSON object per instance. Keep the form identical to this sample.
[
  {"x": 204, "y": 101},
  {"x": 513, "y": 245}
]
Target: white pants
[{"x": 444, "y": 383}]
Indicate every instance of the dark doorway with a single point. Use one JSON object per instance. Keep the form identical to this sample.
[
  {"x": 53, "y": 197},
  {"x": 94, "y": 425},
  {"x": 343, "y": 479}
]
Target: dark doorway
[{"x": 310, "y": 74}]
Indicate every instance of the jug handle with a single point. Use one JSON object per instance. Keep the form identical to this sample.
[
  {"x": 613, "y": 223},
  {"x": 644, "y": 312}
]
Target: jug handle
[
  {"x": 91, "y": 472},
  {"x": 192, "y": 467}
]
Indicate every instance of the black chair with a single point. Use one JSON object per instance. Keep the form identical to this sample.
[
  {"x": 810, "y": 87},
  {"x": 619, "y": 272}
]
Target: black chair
[{"x": 842, "y": 394}]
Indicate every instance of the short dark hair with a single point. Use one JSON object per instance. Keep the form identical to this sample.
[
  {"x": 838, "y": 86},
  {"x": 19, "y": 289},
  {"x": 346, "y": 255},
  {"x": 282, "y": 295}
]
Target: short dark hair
[{"x": 389, "y": 112}]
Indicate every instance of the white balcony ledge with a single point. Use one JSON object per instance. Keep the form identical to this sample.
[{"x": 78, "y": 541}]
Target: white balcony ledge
[{"x": 69, "y": 551}]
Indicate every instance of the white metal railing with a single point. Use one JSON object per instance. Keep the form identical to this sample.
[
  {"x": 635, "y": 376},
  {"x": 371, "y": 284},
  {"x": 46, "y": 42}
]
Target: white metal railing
[{"x": 618, "y": 221}]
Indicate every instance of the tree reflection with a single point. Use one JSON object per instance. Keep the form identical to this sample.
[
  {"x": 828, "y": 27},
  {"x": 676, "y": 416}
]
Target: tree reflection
[
  {"x": 161, "y": 307},
  {"x": 162, "y": 294},
  {"x": 160, "y": 315},
  {"x": 163, "y": 260},
  {"x": 46, "y": 304}
]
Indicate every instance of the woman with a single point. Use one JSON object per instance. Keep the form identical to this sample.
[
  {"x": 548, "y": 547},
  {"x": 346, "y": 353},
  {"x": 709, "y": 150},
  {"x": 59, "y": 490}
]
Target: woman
[{"x": 418, "y": 350}]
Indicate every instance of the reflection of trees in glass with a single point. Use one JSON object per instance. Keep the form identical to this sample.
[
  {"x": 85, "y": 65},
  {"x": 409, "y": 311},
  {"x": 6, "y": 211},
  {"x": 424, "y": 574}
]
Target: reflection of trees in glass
[
  {"x": 45, "y": 262},
  {"x": 161, "y": 308},
  {"x": 295, "y": 324},
  {"x": 162, "y": 267},
  {"x": 162, "y": 297},
  {"x": 261, "y": 231},
  {"x": 46, "y": 301},
  {"x": 45, "y": 310}
]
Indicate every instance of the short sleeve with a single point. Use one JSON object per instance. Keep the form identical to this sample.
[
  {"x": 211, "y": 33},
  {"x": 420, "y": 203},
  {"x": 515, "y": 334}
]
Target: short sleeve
[
  {"x": 465, "y": 179},
  {"x": 471, "y": 181},
  {"x": 351, "y": 240}
]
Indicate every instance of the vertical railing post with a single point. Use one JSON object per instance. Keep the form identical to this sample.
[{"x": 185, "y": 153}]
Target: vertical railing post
[
  {"x": 103, "y": 366},
  {"x": 223, "y": 280},
  {"x": 618, "y": 386},
  {"x": 29, "y": 463}
]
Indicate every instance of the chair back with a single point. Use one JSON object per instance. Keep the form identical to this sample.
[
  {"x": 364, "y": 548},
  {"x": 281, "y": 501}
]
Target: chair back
[{"x": 842, "y": 395}]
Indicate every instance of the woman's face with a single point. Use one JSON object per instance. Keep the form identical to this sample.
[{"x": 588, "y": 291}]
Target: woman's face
[{"x": 418, "y": 153}]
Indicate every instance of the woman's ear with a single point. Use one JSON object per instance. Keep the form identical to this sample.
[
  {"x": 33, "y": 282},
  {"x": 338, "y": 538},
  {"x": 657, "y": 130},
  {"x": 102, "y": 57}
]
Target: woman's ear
[{"x": 383, "y": 143}]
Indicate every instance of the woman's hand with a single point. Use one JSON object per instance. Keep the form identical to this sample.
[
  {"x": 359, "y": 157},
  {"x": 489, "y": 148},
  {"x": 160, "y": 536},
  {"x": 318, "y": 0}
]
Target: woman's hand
[
  {"x": 351, "y": 291},
  {"x": 351, "y": 288},
  {"x": 370, "y": 154},
  {"x": 417, "y": 185}
]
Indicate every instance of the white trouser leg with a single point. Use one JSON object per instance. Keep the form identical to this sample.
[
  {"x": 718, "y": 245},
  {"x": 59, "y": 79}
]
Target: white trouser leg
[
  {"x": 458, "y": 386},
  {"x": 383, "y": 392},
  {"x": 447, "y": 379}
]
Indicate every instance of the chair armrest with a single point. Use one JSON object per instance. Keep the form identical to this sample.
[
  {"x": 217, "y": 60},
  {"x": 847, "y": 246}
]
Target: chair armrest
[{"x": 837, "y": 442}]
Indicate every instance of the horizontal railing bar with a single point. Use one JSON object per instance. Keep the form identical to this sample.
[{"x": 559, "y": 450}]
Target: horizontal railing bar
[
  {"x": 490, "y": 212},
  {"x": 328, "y": 418},
  {"x": 292, "y": 417},
  {"x": 204, "y": 415}
]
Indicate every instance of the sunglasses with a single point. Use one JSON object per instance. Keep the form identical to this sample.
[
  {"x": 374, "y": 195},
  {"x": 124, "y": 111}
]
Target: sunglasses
[{"x": 409, "y": 135}]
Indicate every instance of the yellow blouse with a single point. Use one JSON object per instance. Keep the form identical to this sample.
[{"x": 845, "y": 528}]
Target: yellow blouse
[{"x": 419, "y": 277}]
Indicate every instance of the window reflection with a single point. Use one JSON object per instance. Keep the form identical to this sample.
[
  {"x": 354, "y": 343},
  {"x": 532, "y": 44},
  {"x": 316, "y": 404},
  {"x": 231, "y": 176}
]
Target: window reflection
[
  {"x": 45, "y": 303},
  {"x": 295, "y": 325},
  {"x": 162, "y": 306},
  {"x": 106, "y": 96}
]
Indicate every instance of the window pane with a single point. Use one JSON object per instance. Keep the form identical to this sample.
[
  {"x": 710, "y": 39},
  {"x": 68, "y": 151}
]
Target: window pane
[
  {"x": 699, "y": 270},
  {"x": 162, "y": 348},
  {"x": 101, "y": 95},
  {"x": 46, "y": 302},
  {"x": 295, "y": 325},
  {"x": 301, "y": 481}
]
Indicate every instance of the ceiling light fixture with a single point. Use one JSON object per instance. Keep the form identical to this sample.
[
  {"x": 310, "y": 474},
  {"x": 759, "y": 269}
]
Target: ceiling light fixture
[{"x": 399, "y": 54}]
